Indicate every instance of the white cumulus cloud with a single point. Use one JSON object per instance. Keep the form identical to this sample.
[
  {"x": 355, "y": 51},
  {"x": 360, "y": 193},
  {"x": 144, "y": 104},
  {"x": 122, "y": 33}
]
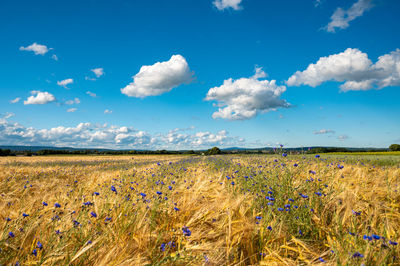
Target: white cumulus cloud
[
  {"x": 104, "y": 136},
  {"x": 39, "y": 97},
  {"x": 159, "y": 78},
  {"x": 244, "y": 98},
  {"x": 341, "y": 18},
  {"x": 107, "y": 111},
  {"x": 36, "y": 48},
  {"x": 71, "y": 110},
  {"x": 354, "y": 68},
  {"x": 224, "y": 4},
  {"x": 65, "y": 82}
]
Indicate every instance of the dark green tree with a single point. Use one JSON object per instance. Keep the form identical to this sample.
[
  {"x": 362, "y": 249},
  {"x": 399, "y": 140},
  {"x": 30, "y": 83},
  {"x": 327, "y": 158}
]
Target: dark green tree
[
  {"x": 213, "y": 151},
  {"x": 394, "y": 147}
]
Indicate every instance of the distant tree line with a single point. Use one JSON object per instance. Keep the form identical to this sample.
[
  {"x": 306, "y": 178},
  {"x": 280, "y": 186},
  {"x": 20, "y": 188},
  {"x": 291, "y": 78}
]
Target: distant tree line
[{"x": 212, "y": 151}]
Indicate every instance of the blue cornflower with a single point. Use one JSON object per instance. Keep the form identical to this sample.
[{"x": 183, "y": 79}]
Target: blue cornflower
[
  {"x": 45, "y": 203},
  {"x": 113, "y": 189},
  {"x": 280, "y": 209},
  {"x": 287, "y": 206},
  {"x": 318, "y": 193},
  {"x": 143, "y": 194},
  {"x": 358, "y": 254},
  {"x": 392, "y": 243},
  {"x": 356, "y": 213},
  {"x": 89, "y": 242},
  {"x": 88, "y": 203},
  {"x": 25, "y": 215},
  {"x": 159, "y": 193},
  {"x": 163, "y": 245},
  {"x": 300, "y": 232},
  {"x": 233, "y": 183},
  {"x": 369, "y": 238},
  {"x": 108, "y": 219},
  {"x": 292, "y": 200},
  {"x": 34, "y": 252},
  {"x": 269, "y": 228},
  {"x": 284, "y": 154},
  {"x": 295, "y": 165},
  {"x": 76, "y": 223},
  {"x": 321, "y": 259},
  {"x": 11, "y": 234},
  {"x": 93, "y": 214},
  {"x": 376, "y": 237},
  {"x": 176, "y": 209},
  {"x": 170, "y": 188},
  {"x": 39, "y": 245},
  {"x": 258, "y": 217},
  {"x": 96, "y": 193},
  {"x": 317, "y": 156},
  {"x": 57, "y": 205},
  {"x": 8, "y": 219},
  {"x": 186, "y": 231}
]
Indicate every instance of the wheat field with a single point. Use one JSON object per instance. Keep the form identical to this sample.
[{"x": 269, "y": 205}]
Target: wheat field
[{"x": 198, "y": 210}]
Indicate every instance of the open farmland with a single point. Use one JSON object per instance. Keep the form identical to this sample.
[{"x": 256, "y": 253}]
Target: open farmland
[{"x": 199, "y": 210}]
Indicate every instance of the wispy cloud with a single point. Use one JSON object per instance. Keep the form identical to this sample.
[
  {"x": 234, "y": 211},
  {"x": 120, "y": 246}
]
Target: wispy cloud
[
  {"x": 91, "y": 94},
  {"x": 324, "y": 131},
  {"x": 65, "y": 82},
  {"x": 341, "y": 18},
  {"x": 15, "y": 100},
  {"x": 225, "y": 4}
]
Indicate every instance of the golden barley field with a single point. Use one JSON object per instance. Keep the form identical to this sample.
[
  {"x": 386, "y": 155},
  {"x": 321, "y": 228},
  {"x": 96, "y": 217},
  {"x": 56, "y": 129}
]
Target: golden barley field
[{"x": 199, "y": 210}]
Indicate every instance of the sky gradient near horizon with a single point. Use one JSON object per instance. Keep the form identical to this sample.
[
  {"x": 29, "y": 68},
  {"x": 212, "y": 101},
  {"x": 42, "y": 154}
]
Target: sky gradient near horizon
[{"x": 195, "y": 74}]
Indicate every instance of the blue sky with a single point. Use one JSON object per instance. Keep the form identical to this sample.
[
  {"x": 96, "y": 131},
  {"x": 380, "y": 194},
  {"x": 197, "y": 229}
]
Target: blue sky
[{"x": 195, "y": 74}]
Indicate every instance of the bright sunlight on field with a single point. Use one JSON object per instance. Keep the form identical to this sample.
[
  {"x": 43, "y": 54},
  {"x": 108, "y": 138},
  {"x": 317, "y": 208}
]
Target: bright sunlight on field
[{"x": 198, "y": 210}]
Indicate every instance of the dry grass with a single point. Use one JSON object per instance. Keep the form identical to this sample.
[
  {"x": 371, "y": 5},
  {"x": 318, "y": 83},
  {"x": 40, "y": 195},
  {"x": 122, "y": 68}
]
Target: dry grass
[{"x": 220, "y": 216}]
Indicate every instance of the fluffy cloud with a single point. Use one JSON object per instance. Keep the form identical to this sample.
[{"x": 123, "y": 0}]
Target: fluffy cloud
[
  {"x": 159, "y": 78},
  {"x": 91, "y": 94},
  {"x": 39, "y": 97},
  {"x": 71, "y": 110},
  {"x": 341, "y": 18},
  {"x": 104, "y": 136},
  {"x": 107, "y": 111},
  {"x": 36, "y": 48},
  {"x": 98, "y": 71},
  {"x": 224, "y": 4},
  {"x": 324, "y": 131},
  {"x": 54, "y": 57},
  {"x": 342, "y": 137},
  {"x": 354, "y": 68},
  {"x": 15, "y": 100},
  {"x": 74, "y": 101},
  {"x": 245, "y": 97},
  {"x": 65, "y": 82}
]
